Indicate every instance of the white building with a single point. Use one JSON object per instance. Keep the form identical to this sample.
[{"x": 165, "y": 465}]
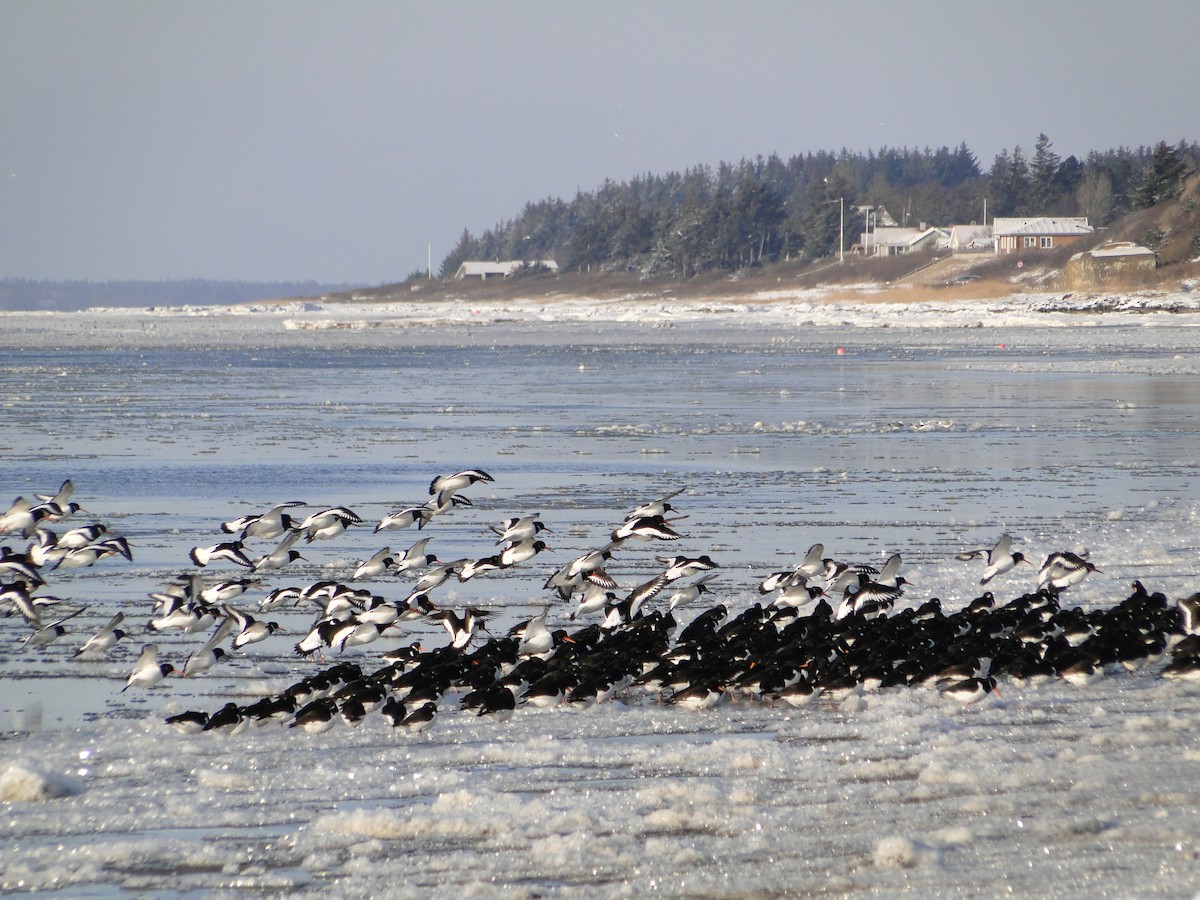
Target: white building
[
  {"x": 484, "y": 270},
  {"x": 970, "y": 238}
]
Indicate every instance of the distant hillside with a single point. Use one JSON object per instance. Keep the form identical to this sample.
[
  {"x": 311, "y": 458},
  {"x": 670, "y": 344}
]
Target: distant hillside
[
  {"x": 24, "y": 294},
  {"x": 768, "y": 211},
  {"x": 1171, "y": 227}
]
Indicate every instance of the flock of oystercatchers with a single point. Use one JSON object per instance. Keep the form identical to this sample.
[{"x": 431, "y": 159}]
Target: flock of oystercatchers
[{"x": 821, "y": 628}]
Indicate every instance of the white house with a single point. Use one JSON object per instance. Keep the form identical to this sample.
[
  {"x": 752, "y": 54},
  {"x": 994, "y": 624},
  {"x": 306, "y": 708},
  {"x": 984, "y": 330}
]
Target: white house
[
  {"x": 483, "y": 269},
  {"x": 897, "y": 241},
  {"x": 969, "y": 238}
]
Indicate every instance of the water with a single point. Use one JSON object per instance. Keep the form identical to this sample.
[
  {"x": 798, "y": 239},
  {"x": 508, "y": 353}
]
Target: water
[{"x": 920, "y": 440}]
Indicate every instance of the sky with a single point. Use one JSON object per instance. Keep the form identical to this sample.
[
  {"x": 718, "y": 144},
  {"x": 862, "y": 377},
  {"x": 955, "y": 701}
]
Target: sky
[{"x": 345, "y": 143}]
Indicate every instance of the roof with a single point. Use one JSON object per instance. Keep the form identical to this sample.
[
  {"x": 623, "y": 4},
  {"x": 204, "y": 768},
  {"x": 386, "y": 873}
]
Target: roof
[
  {"x": 1042, "y": 225},
  {"x": 479, "y": 268},
  {"x": 1122, "y": 248},
  {"x": 898, "y": 237},
  {"x": 965, "y": 233}
]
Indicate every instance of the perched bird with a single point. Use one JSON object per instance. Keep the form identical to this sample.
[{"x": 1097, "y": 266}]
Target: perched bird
[
  {"x": 393, "y": 710},
  {"x": 228, "y": 719},
  {"x": 316, "y": 717},
  {"x": 189, "y": 722},
  {"x": 148, "y": 671},
  {"x": 1189, "y": 614},
  {"x": 969, "y": 690},
  {"x": 1000, "y": 558},
  {"x": 420, "y": 719}
]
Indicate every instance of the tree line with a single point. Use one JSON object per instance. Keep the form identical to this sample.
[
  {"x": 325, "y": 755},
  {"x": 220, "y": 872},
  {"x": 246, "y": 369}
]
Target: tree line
[{"x": 769, "y": 209}]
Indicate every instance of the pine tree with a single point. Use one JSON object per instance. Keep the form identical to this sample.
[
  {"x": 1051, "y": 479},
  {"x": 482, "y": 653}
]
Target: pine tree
[{"x": 1163, "y": 178}]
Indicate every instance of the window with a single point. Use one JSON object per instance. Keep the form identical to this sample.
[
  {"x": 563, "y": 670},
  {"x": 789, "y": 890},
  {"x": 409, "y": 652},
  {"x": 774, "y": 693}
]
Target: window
[
  {"x": 1031, "y": 242},
  {"x": 1047, "y": 243}
]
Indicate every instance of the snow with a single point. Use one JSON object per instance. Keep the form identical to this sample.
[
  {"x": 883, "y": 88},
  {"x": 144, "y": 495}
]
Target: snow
[{"x": 926, "y": 437}]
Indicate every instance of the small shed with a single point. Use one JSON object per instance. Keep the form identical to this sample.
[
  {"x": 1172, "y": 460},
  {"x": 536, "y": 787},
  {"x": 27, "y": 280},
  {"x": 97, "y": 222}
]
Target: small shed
[{"x": 1107, "y": 263}]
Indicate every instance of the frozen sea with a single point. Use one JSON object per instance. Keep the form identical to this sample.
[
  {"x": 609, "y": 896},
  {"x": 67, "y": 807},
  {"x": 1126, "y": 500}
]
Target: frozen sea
[{"x": 1071, "y": 423}]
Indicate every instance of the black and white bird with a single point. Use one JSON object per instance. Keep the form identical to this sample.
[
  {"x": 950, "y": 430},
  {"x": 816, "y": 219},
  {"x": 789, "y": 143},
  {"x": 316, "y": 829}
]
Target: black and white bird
[
  {"x": 691, "y": 593},
  {"x": 646, "y": 528},
  {"x": 328, "y": 523},
  {"x": 316, "y": 717},
  {"x": 379, "y": 563},
  {"x": 462, "y": 628},
  {"x": 1000, "y": 559},
  {"x": 1064, "y": 569},
  {"x": 93, "y": 553},
  {"x": 267, "y": 526},
  {"x": 210, "y": 653},
  {"x": 447, "y": 485},
  {"x": 421, "y": 718},
  {"x": 474, "y": 567},
  {"x": 521, "y": 551},
  {"x": 247, "y": 629},
  {"x": 47, "y": 634},
  {"x": 281, "y": 556},
  {"x": 103, "y": 640},
  {"x": 681, "y": 566},
  {"x": 522, "y": 528},
  {"x": 406, "y": 518},
  {"x": 592, "y": 598},
  {"x": 659, "y": 507},
  {"x": 148, "y": 671},
  {"x": 227, "y": 551},
  {"x": 414, "y": 557},
  {"x": 1189, "y": 614}
]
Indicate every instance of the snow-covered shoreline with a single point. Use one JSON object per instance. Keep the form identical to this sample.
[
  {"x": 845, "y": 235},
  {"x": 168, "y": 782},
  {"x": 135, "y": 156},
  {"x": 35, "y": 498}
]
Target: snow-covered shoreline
[{"x": 764, "y": 310}]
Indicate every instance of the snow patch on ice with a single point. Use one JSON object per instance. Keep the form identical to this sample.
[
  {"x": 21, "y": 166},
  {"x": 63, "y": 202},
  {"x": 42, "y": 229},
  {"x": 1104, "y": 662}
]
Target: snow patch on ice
[{"x": 24, "y": 782}]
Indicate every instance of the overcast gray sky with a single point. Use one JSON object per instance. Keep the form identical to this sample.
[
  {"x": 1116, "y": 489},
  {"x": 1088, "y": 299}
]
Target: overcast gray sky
[{"x": 335, "y": 141}]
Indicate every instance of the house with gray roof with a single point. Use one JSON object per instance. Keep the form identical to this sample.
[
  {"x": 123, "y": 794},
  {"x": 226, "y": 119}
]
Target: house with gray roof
[{"x": 1038, "y": 234}]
